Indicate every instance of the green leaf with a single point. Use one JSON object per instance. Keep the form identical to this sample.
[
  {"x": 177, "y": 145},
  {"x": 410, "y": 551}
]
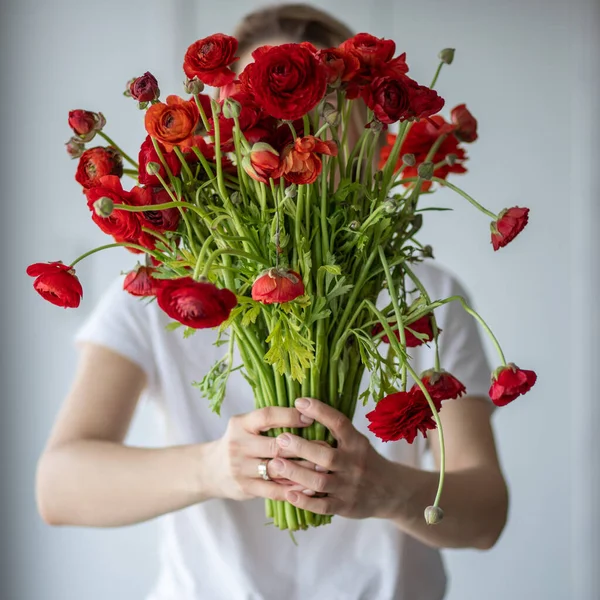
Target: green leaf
[
  {"x": 214, "y": 384},
  {"x": 189, "y": 332},
  {"x": 331, "y": 269},
  {"x": 173, "y": 326},
  {"x": 291, "y": 349},
  {"x": 251, "y": 315}
]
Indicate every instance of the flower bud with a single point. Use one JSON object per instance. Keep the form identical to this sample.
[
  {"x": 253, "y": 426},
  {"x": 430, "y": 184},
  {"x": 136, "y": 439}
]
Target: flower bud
[
  {"x": 291, "y": 191},
  {"x": 152, "y": 168},
  {"x": 235, "y": 198},
  {"x": 425, "y": 170},
  {"x": 75, "y": 147},
  {"x": 354, "y": 225},
  {"x": 446, "y": 55},
  {"x": 409, "y": 160},
  {"x": 104, "y": 207},
  {"x": 427, "y": 251},
  {"x": 451, "y": 159},
  {"x": 231, "y": 108},
  {"x": 193, "y": 86},
  {"x": 331, "y": 114},
  {"x": 390, "y": 206},
  {"x": 375, "y": 126},
  {"x": 433, "y": 515},
  {"x": 215, "y": 106},
  {"x": 144, "y": 89}
]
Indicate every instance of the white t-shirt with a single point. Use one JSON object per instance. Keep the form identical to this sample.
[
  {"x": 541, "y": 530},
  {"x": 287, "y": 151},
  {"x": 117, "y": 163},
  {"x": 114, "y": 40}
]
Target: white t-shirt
[{"x": 222, "y": 549}]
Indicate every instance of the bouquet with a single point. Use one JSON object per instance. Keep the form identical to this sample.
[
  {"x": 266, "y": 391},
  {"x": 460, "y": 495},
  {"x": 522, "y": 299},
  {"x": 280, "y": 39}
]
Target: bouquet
[{"x": 264, "y": 211}]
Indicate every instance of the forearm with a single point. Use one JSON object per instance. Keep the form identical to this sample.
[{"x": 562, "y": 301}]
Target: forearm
[
  {"x": 105, "y": 484},
  {"x": 475, "y": 504}
]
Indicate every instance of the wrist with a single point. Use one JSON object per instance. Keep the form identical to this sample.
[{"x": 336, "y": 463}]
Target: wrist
[
  {"x": 204, "y": 484},
  {"x": 400, "y": 485}
]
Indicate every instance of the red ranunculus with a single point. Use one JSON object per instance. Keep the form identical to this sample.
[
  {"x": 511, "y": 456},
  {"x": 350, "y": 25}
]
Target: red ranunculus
[
  {"x": 340, "y": 66},
  {"x": 96, "y": 163},
  {"x": 160, "y": 220},
  {"x": 263, "y": 163},
  {"x": 509, "y": 383},
  {"x": 441, "y": 385},
  {"x": 195, "y": 304},
  {"x": 56, "y": 283},
  {"x": 86, "y": 123},
  {"x": 287, "y": 81},
  {"x": 209, "y": 59},
  {"x": 511, "y": 221},
  {"x": 465, "y": 124},
  {"x": 123, "y": 225},
  {"x": 369, "y": 49},
  {"x": 173, "y": 123},
  {"x": 423, "y": 326},
  {"x": 301, "y": 163},
  {"x": 401, "y": 416},
  {"x": 148, "y": 154},
  {"x": 144, "y": 88},
  {"x": 277, "y": 286},
  {"x": 140, "y": 282}
]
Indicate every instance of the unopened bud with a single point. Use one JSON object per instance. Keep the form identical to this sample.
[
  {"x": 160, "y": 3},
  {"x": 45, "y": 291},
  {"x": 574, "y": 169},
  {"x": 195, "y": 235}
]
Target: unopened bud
[
  {"x": 104, "y": 207},
  {"x": 291, "y": 191},
  {"x": 235, "y": 198},
  {"x": 152, "y": 168},
  {"x": 75, "y": 147},
  {"x": 215, "y": 106},
  {"x": 331, "y": 114},
  {"x": 231, "y": 108},
  {"x": 193, "y": 86},
  {"x": 427, "y": 251},
  {"x": 390, "y": 206},
  {"x": 447, "y": 55},
  {"x": 375, "y": 126},
  {"x": 451, "y": 159},
  {"x": 425, "y": 170},
  {"x": 354, "y": 225},
  {"x": 433, "y": 515},
  {"x": 409, "y": 160}
]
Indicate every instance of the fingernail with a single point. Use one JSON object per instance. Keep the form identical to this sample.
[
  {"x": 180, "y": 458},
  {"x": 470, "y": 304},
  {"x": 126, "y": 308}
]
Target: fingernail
[
  {"x": 306, "y": 419},
  {"x": 276, "y": 465},
  {"x": 284, "y": 440},
  {"x": 308, "y": 492},
  {"x": 293, "y": 497},
  {"x": 302, "y": 403},
  {"x": 320, "y": 469}
]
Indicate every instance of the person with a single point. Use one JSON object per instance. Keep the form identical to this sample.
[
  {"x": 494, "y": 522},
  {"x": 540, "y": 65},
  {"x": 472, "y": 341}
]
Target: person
[{"x": 205, "y": 483}]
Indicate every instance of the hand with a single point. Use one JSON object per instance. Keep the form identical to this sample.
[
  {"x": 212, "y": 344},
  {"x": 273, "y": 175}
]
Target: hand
[
  {"x": 358, "y": 481},
  {"x": 234, "y": 459}
]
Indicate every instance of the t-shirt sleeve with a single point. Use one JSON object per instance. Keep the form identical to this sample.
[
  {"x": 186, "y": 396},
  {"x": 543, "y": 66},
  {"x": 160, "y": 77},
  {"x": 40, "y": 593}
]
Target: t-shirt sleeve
[
  {"x": 121, "y": 323},
  {"x": 462, "y": 352}
]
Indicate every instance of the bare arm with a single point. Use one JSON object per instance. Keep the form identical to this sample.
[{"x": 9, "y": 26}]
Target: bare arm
[{"x": 87, "y": 476}]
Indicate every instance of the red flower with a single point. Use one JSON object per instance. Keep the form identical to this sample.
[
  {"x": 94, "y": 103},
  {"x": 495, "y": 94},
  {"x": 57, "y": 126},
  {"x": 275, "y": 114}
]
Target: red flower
[
  {"x": 262, "y": 163},
  {"x": 340, "y": 66},
  {"x": 56, "y": 283},
  {"x": 140, "y": 282},
  {"x": 465, "y": 124},
  {"x": 277, "y": 286},
  {"x": 287, "y": 80},
  {"x": 144, "y": 88},
  {"x": 97, "y": 162},
  {"x": 124, "y": 226},
  {"x": 401, "y": 416},
  {"x": 301, "y": 163},
  {"x": 173, "y": 123},
  {"x": 195, "y": 304},
  {"x": 370, "y": 50},
  {"x": 423, "y": 326},
  {"x": 510, "y": 382},
  {"x": 441, "y": 385},
  {"x": 159, "y": 220},
  {"x": 208, "y": 59},
  {"x": 86, "y": 123},
  {"x": 148, "y": 154},
  {"x": 511, "y": 221}
]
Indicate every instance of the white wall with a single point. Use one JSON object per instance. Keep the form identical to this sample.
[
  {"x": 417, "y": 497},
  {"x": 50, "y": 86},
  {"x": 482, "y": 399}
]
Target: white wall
[{"x": 521, "y": 73}]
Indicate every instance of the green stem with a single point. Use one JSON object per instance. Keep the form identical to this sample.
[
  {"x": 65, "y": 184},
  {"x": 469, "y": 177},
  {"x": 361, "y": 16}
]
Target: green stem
[
  {"x": 202, "y": 113},
  {"x": 437, "y": 74},
  {"x": 115, "y": 245},
  {"x": 184, "y": 164},
  {"x": 203, "y": 252},
  {"x": 465, "y": 196},
  {"x": 114, "y": 145},
  {"x": 220, "y": 181},
  {"x": 232, "y": 252}
]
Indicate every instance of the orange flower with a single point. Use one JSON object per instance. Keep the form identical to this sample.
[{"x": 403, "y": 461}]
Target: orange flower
[
  {"x": 300, "y": 162},
  {"x": 173, "y": 123}
]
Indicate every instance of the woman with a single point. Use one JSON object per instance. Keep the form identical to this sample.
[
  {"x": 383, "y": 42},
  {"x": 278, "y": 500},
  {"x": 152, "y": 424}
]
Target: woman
[{"x": 206, "y": 482}]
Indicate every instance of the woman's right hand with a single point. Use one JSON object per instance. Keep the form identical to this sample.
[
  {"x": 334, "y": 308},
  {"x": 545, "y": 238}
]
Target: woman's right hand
[{"x": 235, "y": 458}]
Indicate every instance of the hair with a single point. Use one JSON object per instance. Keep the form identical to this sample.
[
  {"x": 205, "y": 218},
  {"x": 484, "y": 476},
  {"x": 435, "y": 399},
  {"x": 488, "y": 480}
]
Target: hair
[{"x": 294, "y": 22}]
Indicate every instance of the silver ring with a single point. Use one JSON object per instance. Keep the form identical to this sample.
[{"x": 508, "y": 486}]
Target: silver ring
[{"x": 262, "y": 469}]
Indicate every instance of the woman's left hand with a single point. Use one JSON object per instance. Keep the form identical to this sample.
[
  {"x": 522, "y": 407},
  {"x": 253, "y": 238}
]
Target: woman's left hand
[{"x": 355, "y": 481}]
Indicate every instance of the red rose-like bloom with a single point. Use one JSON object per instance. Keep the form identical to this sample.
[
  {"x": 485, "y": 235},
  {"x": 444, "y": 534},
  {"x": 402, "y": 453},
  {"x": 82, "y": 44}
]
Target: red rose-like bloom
[
  {"x": 262, "y": 163},
  {"x": 340, "y": 66},
  {"x": 173, "y": 123},
  {"x": 511, "y": 221},
  {"x": 86, "y": 123},
  {"x": 465, "y": 124},
  {"x": 124, "y": 226},
  {"x": 369, "y": 49},
  {"x": 144, "y": 88},
  {"x": 277, "y": 286},
  {"x": 148, "y": 154},
  {"x": 140, "y": 282},
  {"x": 96, "y": 163},
  {"x": 208, "y": 59},
  {"x": 56, "y": 283},
  {"x": 441, "y": 385},
  {"x": 401, "y": 416},
  {"x": 509, "y": 383},
  {"x": 195, "y": 304},
  {"x": 287, "y": 81},
  {"x": 424, "y": 326},
  {"x": 159, "y": 220},
  {"x": 301, "y": 163}
]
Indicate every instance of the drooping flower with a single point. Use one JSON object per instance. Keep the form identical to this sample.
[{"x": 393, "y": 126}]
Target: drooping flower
[
  {"x": 96, "y": 163},
  {"x": 277, "y": 286},
  {"x": 173, "y": 123},
  {"x": 422, "y": 326},
  {"x": 510, "y": 382},
  {"x": 441, "y": 385},
  {"x": 209, "y": 59},
  {"x": 86, "y": 123},
  {"x": 301, "y": 163},
  {"x": 510, "y": 222},
  {"x": 140, "y": 282},
  {"x": 465, "y": 124},
  {"x": 195, "y": 304},
  {"x": 263, "y": 163},
  {"x": 56, "y": 283}
]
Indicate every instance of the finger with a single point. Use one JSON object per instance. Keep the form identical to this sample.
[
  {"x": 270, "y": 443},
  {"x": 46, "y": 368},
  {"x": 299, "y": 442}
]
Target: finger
[
  {"x": 250, "y": 468},
  {"x": 339, "y": 424},
  {"x": 266, "y": 489},
  {"x": 321, "y": 483},
  {"x": 322, "y": 506},
  {"x": 321, "y": 454},
  {"x": 273, "y": 417},
  {"x": 262, "y": 446}
]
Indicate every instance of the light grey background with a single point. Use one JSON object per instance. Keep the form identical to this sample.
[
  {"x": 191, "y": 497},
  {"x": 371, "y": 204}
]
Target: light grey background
[{"x": 524, "y": 67}]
